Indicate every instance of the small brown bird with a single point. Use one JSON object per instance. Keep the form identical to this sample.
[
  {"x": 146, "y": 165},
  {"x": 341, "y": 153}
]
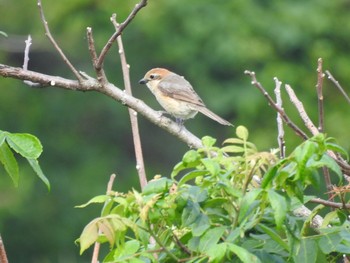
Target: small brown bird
[{"x": 176, "y": 95}]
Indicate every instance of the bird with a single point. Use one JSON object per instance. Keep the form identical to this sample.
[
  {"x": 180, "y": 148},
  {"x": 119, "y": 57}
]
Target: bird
[{"x": 177, "y": 96}]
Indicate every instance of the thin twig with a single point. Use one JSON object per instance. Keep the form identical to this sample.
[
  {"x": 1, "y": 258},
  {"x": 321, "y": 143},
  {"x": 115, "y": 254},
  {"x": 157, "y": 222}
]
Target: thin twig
[
  {"x": 300, "y": 107},
  {"x": 3, "y": 256},
  {"x": 101, "y": 75},
  {"x": 54, "y": 43},
  {"x": 97, "y": 245},
  {"x": 122, "y": 26},
  {"x": 330, "y": 203},
  {"x": 284, "y": 116},
  {"x": 133, "y": 114},
  {"x": 26, "y": 62},
  {"x": 280, "y": 138},
  {"x": 336, "y": 83},
  {"x": 319, "y": 88}
]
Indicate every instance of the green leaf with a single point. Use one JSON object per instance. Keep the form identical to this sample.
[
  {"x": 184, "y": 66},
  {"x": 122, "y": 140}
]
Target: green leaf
[
  {"x": 233, "y": 149},
  {"x": 210, "y": 238},
  {"x": 327, "y": 161},
  {"x": 217, "y": 252},
  {"x": 244, "y": 255},
  {"x": 191, "y": 175},
  {"x": 88, "y": 236},
  {"x": 2, "y": 137},
  {"x": 9, "y": 162},
  {"x": 156, "y": 186},
  {"x": 279, "y": 206},
  {"x": 242, "y": 133},
  {"x": 307, "y": 252},
  {"x": 328, "y": 242},
  {"x": 190, "y": 213},
  {"x": 25, "y": 144},
  {"x": 191, "y": 157},
  {"x": 208, "y": 141},
  {"x": 274, "y": 236},
  {"x": 97, "y": 199},
  {"x": 200, "y": 225},
  {"x": 36, "y": 167},
  {"x": 212, "y": 166},
  {"x": 248, "y": 204}
]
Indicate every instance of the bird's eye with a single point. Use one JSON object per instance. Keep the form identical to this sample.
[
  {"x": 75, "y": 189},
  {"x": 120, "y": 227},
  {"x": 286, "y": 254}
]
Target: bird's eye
[{"x": 153, "y": 76}]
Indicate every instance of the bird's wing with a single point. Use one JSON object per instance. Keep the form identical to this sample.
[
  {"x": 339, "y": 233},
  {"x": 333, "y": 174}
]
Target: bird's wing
[{"x": 178, "y": 88}]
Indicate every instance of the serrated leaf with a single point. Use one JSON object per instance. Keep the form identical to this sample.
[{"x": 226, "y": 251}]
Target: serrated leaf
[
  {"x": 95, "y": 200},
  {"x": 9, "y": 162},
  {"x": 25, "y": 144},
  {"x": 279, "y": 206},
  {"x": 37, "y": 169},
  {"x": 242, "y": 133},
  {"x": 327, "y": 161},
  {"x": 190, "y": 213}
]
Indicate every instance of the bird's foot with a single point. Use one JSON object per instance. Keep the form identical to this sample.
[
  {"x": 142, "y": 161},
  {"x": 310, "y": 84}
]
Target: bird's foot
[{"x": 180, "y": 122}]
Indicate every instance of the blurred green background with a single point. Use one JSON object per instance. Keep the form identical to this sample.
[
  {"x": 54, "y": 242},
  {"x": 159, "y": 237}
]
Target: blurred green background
[{"x": 86, "y": 136}]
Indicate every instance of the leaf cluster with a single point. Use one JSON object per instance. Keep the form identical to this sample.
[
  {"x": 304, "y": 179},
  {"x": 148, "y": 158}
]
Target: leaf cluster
[
  {"x": 26, "y": 145},
  {"x": 228, "y": 204}
]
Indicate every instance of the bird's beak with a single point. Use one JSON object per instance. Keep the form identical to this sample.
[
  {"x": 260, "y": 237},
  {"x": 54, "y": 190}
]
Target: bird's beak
[{"x": 143, "y": 81}]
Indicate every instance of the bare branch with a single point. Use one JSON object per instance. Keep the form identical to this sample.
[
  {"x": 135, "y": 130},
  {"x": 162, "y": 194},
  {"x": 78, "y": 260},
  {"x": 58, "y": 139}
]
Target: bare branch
[
  {"x": 54, "y": 43},
  {"x": 140, "y": 166},
  {"x": 26, "y": 61},
  {"x": 284, "y": 116},
  {"x": 280, "y": 138},
  {"x": 330, "y": 203},
  {"x": 101, "y": 75},
  {"x": 122, "y": 26},
  {"x": 336, "y": 83},
  {"x": 300, "y": 107},
  {"x": 97, "y": 245},
  {"x": 109, "y": 90},
  {"x": 319, "y": 88},
  {"x": 3, "y": 256}
]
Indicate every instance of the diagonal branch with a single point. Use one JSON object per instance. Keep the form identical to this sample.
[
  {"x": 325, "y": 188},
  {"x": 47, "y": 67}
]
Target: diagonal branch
[
  {"x": 122, "y": 26},
  {"x": 110, "y": 90},
  {"x": 54, "y": 43},
  {"x": 274, "y": 105}
]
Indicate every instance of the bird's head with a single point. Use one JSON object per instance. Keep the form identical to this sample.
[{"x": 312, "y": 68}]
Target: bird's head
[{"x": 154, "y": 75}]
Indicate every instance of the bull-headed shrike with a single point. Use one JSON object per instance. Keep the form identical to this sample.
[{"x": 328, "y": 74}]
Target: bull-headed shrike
[{"x": 176, "y": 95}]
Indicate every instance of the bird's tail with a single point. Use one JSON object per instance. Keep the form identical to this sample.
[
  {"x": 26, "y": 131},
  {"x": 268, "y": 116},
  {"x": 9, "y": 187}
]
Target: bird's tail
[{"x": 213, "y": 116}]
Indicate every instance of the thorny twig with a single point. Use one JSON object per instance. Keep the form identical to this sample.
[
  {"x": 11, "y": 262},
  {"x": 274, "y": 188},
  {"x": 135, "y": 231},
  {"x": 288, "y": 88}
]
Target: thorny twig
[{"x": 133, "y": 114}]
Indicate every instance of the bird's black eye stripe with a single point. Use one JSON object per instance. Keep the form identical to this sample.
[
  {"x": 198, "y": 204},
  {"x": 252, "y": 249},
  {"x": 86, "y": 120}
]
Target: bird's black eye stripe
[{"x": 153, "y": 76}]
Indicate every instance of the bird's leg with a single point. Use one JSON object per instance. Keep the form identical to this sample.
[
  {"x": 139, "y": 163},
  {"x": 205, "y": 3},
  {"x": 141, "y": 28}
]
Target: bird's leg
[
  {"x": 163, "y": 112},
  {"x": 180, "y": 122}
]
